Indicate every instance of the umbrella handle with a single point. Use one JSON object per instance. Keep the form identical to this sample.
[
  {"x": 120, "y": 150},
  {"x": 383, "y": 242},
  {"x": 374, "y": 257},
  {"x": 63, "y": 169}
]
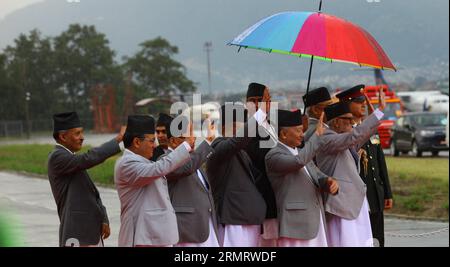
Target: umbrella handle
[{"x": 309, "y": 80}]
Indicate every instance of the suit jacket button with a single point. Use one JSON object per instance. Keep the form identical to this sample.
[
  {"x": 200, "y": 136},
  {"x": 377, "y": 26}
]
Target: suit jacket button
[
  {"x": 370, "y": 157},
  {"x": 373, "y": 168},
  {"x": 210, "y": 210}
]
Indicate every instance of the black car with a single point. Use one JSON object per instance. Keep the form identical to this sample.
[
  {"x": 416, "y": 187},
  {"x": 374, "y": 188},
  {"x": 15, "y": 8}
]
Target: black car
[{"x": 419, "y": 132}]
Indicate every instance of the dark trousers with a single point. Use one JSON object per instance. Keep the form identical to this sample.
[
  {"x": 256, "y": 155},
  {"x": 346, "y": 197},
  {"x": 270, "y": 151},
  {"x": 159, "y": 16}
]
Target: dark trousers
[{"x": 377, "y": 223}]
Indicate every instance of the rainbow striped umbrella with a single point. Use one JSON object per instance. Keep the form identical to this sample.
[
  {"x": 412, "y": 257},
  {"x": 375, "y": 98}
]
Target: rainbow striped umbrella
[{"x": 315, "y": 34}]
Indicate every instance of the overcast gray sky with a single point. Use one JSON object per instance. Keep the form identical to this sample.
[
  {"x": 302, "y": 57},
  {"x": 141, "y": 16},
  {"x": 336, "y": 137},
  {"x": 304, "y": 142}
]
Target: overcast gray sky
[
  {"x": 8, "y": 6},
  {"x": 414, "y": 33}
]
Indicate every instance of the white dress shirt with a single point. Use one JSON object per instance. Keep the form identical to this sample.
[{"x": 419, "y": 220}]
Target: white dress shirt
[
  {"x": 58, "y": 144},
  {"x": 261, "y": 118}
]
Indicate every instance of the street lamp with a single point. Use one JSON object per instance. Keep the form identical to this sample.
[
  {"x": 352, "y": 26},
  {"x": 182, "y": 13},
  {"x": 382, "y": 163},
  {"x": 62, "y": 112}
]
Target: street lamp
[
  {"x": 27, "y": 113},
  {"x": 208, "y": 49}
]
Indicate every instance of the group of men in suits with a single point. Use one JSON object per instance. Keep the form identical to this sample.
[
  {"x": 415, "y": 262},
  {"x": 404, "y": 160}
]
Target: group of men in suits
[{"x": 303, "y": 187}]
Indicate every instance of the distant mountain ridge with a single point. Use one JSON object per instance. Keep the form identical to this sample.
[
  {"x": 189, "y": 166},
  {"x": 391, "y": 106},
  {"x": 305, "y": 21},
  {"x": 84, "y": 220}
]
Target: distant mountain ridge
[{"x": 414, "y": 33}]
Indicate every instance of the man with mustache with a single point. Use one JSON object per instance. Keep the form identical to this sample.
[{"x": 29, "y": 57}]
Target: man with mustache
[{"x": 84, "y": 221}]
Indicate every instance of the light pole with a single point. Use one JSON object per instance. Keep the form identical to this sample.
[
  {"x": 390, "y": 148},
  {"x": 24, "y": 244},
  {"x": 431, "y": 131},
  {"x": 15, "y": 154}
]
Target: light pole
[
  {"x": 208, "y": 50},
  {"x": 27, "y": 113}
]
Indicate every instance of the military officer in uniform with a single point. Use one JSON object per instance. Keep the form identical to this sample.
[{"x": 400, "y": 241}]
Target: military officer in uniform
[{"x": 379, "y": 194}]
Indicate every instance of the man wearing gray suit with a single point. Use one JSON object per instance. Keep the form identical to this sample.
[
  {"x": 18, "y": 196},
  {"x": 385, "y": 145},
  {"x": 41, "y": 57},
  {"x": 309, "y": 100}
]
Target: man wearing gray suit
[
  {"x": 347, "y": 213},
  {"x": 191, "y": 196},
  {"x": 147, "y": 216},
  {"x": 373, "y": 169},
  {"x": 241, "y": 208},
  {"x": 297, "y": 184},
  {"x": 84, "y": 221}
]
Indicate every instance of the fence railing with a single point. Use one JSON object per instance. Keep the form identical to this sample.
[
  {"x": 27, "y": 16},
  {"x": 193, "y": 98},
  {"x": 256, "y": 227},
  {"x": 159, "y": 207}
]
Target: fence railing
[
  {"x": 19, "y": 128},
  {"x": 11, "y": 128}
]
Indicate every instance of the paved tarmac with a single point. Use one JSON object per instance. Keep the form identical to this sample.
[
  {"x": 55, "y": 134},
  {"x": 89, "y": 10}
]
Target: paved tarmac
[{"x": 31, "y": 203}]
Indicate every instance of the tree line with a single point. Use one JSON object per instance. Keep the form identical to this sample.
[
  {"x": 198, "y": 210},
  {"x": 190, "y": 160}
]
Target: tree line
[{"x": 59, "y": 72}]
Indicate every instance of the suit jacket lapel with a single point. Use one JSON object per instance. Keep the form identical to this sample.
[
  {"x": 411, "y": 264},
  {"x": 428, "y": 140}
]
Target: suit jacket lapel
[
  {"x": 89, "y": 180},
  {"x": 312, "y": 173}
]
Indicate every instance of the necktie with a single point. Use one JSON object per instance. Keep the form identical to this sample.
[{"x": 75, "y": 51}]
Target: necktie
[{"x": 202, "y": 179}]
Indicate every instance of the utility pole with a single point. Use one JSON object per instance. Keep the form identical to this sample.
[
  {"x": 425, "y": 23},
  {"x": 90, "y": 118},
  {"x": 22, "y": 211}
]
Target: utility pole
[
  {"x": 208, "y": 50},
  {"x": 27, "y": 113},
  {"x": 27, "y": 101}
]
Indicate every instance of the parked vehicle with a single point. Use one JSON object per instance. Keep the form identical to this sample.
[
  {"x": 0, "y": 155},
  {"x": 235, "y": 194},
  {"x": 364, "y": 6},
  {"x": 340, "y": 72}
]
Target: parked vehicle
[
  {"x": 446, "y": 131},
  {"x": 419, "y": 132}
]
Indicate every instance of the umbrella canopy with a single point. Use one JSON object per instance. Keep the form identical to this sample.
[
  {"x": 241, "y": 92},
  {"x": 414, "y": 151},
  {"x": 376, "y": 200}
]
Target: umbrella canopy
[{"x": 306, "y": 34}]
